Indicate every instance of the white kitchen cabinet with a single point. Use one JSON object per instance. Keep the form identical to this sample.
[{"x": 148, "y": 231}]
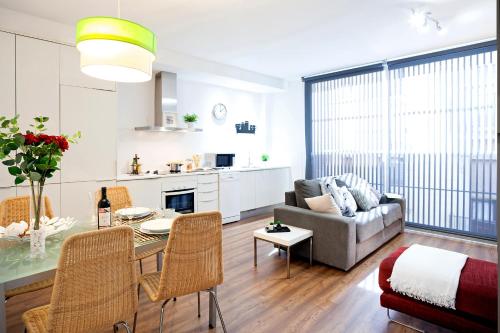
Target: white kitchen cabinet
[
  {"x": 53, "y": 191},
  {"x": 71, "y": 75},
  {"x": 78, "y": 199},
  {"x": 266, "y": 187},
  {"x": 7, "y": 91},
  {"x": 144, "y": 192},
  {"x": 208, "y": 193},
  {"x": 37, "y": 82},
  {"x": 7, "y": 192},
  {"x": 37, "y": 85},
  {"x": 93, "y": 112}
]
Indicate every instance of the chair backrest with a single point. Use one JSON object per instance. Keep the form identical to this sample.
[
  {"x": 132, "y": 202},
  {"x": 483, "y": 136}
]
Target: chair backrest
[
  {"x": 17, "y": 209},
  {"x": 193, "y": 255},
  {"x": 95, "y": 284},
  {"x": 118, "y": 196}
]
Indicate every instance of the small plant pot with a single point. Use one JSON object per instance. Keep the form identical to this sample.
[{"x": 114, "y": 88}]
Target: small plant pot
[
  {"x": 190, "y": 125},
  {"x": 37, "y": 243}
]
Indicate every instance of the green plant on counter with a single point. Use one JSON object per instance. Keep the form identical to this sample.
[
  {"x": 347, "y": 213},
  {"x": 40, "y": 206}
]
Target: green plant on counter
[
  {"x": 264, "y": 157},
  {"x": 190, "y": 118}
]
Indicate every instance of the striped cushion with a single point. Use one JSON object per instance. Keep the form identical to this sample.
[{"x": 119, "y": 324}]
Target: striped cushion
[{"x": 364, "y": 196}]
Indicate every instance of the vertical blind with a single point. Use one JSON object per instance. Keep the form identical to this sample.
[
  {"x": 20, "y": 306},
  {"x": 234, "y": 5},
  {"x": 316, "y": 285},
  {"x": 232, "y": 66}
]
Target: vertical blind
[{"x": 425, "y": 129}]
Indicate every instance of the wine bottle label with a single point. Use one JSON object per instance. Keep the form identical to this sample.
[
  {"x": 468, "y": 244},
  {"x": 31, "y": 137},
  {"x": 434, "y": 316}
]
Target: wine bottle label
[{"x": 104, "y": 217}]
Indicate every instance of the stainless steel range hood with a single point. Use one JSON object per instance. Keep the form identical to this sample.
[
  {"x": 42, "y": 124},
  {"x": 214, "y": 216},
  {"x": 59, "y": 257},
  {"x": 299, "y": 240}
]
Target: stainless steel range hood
[{"x": 166, "y": 105}]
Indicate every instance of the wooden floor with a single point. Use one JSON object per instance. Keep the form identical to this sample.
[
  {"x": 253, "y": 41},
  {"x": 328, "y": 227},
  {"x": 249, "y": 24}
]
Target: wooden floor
[{"x": 317, "y": 299}]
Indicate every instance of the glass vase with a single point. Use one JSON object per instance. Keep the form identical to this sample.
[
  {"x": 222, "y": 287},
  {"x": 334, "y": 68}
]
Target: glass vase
[{"x": 37, "y": 229}]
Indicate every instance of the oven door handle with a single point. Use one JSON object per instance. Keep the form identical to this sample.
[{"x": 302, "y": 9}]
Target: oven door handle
[{"x": 173, "y": 193}]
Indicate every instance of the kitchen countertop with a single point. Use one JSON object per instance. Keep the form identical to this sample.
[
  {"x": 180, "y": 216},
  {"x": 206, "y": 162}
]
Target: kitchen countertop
[{"x": 125, "y": 177}]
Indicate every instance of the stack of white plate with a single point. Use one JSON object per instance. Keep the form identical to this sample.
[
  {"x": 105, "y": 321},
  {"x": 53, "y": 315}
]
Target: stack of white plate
[
  {"x": 156, "y": 226},
  {"x": 133, "y": 212}
]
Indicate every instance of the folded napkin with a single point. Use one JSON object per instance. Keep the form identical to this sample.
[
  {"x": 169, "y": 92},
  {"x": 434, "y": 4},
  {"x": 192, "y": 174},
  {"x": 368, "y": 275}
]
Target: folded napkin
[{"x": 16, "y": 229}]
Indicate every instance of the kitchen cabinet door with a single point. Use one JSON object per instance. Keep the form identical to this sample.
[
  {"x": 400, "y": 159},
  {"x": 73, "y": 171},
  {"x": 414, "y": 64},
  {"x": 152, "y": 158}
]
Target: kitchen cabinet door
[
  {"x": 93, "y": 112},
  {"x": 37, "y": 85},
  {"x": 247, "y": 190},
  {"x": 144, "y": 192},
  {"x": 53, "y": 191},
  {"x": 78, "y": 199},
  {"x": 37, "y": 82},
  {"x": 280, "y": 184},
  {"x": 7, "y": 91},
  {"x": 263, "y": 187},
  {"x": 71, "y": 74}
]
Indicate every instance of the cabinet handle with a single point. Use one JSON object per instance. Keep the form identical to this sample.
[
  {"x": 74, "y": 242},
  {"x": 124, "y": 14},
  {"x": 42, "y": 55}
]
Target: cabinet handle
[
  {"x": 206, "y": 200},
  {"x": 208, "y": 191}
]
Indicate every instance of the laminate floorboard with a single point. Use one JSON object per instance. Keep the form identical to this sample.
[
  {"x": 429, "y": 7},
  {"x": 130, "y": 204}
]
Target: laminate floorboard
[{"x": 314, "y": 299}]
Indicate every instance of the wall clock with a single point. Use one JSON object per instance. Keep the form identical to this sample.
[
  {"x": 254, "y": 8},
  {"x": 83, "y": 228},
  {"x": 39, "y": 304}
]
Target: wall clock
[{"x": 219, "y": 111}]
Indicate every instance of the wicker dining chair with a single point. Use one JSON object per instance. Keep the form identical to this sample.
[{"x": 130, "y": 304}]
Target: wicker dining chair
[
  {"x": 192, "y": 261},
  {"x": 120, "y": 197},
  {"x": 95, "y": 285},
  {"x": 17, "y": 209}
]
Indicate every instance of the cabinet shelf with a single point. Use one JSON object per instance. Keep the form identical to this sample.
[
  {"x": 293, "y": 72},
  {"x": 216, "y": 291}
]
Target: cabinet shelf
[{"x": 168, "y": 129}]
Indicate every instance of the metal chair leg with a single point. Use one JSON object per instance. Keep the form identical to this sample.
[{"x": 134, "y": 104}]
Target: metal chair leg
[
  {"x": 124, "y": 324},
  {"x": 214, "y": 296},
  {"x": 403, "y": 324},
  {"x": 161, "y": 315},
  {"x": 199, "y": 315}
]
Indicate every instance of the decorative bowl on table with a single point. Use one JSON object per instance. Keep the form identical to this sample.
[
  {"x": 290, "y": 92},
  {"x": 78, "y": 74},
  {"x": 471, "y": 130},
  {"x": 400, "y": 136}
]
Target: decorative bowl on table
[{"x": 19, "y": 231}]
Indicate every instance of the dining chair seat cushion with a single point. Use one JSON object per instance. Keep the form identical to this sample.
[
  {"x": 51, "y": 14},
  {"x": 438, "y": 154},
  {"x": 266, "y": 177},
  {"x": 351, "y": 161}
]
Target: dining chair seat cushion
[
  {"x": 36, "y": 320},
  {"x": 148, "y": 253},
  {"x": 29, "y": 288},
  {"x": 150, "y": 282}
]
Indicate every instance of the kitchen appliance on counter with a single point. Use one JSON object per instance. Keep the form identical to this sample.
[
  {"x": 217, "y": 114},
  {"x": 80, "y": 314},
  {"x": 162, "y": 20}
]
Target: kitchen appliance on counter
[
  {"x": 229, "y": 196},
  {"x": 213, "y": 160},
  {"x": 175, "y": 167},
  {"x": 180, "y": 195}
]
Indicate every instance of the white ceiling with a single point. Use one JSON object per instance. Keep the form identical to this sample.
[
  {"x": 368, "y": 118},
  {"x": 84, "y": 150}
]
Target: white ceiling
[{"x": 286, "y": 38}]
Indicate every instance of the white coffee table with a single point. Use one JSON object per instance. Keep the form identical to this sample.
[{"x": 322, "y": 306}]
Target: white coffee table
[{"x": 283, "y": 239}]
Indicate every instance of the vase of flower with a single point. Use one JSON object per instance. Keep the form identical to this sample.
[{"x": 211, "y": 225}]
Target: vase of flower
[{"x": 33, "y": 156}]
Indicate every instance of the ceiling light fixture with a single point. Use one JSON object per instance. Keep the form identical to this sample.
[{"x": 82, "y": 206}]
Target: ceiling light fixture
[
  {"x": 423, "y": 19},
  {"x": 115, "y": 49}
]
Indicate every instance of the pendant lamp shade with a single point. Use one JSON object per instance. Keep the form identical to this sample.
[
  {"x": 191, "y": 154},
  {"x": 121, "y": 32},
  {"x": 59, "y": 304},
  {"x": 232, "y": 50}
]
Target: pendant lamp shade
[{"x": 114, "y": 49}]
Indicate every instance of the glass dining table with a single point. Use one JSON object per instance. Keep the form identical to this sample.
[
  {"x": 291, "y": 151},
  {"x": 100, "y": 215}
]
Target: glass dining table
[{"x": 17, "y": 269}]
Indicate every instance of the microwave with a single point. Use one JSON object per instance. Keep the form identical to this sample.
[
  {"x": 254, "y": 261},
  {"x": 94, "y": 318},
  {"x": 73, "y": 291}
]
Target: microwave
[{"x": 219, "y": 160}]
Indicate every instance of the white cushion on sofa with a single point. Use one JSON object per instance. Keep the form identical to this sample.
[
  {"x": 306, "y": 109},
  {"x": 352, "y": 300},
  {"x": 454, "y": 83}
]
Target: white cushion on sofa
[{"x": 323, "y": 204}]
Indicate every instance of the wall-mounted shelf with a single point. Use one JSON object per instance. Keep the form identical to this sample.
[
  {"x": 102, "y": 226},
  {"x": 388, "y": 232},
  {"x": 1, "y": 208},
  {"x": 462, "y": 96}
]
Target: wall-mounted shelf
[{"x": 168, "y": 129}]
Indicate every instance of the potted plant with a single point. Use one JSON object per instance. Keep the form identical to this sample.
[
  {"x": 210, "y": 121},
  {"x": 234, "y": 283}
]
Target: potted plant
[
  {"x": 190, "y": 119},
  {"x": 33, "y": 156},
  {"x": 264, "y": 157}
]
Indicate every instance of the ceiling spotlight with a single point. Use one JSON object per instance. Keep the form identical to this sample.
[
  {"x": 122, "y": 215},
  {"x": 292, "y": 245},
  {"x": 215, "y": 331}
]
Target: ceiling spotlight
[{"x": 423, "y": 19}]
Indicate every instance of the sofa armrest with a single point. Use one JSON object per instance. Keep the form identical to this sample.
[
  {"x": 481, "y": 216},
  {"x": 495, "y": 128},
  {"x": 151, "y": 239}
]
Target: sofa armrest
[
  {"x": 402, "y": 202},
  {"x": 334, "y": 237}
]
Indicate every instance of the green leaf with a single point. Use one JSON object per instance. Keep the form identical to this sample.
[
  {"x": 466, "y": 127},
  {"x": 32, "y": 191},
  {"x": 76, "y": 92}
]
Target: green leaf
[
  {"x": 19, "y": 139},
  {"x": 14, "y": 170},
  {"x": 19, "y": 157},
  {"x": 5, "y": 123},
  {"x": 35, "y": 176},
  {"x": 6, "y": 150},
  {"x": 42, "y": 167},
  {"x": 9, "y": 162},
  {"x": 20, "y": 179},
  {"x": 45, "y": 119},
  {"x": 12, "y": 146}
]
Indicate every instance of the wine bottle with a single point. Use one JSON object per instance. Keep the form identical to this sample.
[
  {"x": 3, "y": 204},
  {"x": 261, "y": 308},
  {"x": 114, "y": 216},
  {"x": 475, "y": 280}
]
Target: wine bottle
[{"x": 103, "y": 211}]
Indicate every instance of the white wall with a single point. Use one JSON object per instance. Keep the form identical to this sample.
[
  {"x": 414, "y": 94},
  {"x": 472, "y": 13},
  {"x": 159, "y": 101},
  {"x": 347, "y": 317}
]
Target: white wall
[
  {"x": 286, "y": 138},
  {"x": 136, "y": 108}
]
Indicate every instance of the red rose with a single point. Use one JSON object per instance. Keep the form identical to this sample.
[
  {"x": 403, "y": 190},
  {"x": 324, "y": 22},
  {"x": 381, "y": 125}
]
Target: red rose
[
  {"x": 30, "y": 139},
  {"x": 62, "y": 143}
]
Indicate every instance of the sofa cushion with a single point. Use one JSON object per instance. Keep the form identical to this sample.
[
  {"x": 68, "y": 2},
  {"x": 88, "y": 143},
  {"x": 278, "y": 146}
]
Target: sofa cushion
[
  {"x": 391, "y": 212},
  {"x": 368, "y": 224},
  {"x": 353, "y": 180},
  {"x": 306, "y": 189},
  {"x": 364, "y": 196},
  {"x": 323, "y": 204}
]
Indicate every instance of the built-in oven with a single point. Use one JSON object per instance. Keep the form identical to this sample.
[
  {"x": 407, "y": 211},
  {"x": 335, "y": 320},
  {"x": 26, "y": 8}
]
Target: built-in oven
[{"x": 182, "y": 200}]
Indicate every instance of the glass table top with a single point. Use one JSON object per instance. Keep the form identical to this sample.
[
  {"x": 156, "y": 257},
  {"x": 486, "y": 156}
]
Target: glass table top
[{"x": 15, "y": 261}]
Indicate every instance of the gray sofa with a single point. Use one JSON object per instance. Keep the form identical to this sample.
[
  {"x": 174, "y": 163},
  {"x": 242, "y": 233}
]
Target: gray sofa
[{"x": 340, "y": 241}]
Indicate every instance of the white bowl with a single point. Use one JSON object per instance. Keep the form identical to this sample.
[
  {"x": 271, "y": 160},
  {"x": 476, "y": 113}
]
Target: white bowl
[
  {"x": 157, "y": 226},
  {"x": 134, "y": 212}
]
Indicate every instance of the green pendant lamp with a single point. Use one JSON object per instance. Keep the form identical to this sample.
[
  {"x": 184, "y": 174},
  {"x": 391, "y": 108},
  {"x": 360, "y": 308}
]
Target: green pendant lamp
[{"x": 114, "y": 49}]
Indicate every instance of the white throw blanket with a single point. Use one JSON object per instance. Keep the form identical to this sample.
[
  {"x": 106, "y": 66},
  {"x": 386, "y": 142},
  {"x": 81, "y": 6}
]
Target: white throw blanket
[{"x": 428, "y": 274}]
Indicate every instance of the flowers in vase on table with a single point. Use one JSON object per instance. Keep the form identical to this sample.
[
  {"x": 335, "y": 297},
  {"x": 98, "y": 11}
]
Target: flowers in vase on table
[{"x": 32, "y": 155}]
